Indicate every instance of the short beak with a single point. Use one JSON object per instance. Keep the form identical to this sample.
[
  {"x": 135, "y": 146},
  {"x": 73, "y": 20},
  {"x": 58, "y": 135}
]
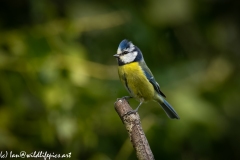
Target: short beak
[{"x": 116, "y": 55}]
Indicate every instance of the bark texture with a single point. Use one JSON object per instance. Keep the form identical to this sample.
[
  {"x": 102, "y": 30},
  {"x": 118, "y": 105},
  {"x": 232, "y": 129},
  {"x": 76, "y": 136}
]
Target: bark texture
[{"x": 133, "y": 125}]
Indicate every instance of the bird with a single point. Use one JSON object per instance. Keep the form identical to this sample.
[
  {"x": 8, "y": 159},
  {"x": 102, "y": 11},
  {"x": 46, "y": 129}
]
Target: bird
[{"x": 138, "y": 79}]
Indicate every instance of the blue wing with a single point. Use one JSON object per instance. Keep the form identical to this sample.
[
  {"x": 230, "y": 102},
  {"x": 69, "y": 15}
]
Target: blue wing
[{"x": 151, "y": 79}]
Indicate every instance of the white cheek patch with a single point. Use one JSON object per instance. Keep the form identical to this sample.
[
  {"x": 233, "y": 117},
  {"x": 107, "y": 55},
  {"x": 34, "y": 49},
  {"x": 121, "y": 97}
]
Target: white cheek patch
[{"x": 127, "y": 58}]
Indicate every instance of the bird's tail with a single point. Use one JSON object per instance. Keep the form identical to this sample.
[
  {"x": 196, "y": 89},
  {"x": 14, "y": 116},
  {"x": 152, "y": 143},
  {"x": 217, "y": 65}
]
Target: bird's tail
[{"x": 167, "y": 108}]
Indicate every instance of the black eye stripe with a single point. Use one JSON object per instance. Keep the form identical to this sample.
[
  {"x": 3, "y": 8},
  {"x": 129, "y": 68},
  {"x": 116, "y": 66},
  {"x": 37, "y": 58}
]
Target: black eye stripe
[{"x": 124, "y": 52}]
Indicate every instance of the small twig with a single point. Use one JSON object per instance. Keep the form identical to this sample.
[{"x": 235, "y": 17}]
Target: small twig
[{"x": 133, "y": 125}]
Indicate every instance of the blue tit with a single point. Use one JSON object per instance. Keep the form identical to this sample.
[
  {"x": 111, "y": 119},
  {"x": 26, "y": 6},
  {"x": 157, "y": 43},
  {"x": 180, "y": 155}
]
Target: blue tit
[{"x": 138, "y": 79}]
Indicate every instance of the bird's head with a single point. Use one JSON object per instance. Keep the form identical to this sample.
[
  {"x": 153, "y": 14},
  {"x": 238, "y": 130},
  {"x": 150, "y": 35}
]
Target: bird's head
[{"x": 127, "y": 53}]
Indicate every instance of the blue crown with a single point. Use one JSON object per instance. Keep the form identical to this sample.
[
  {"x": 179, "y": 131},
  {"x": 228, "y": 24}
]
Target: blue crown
[{"x": 124, "y": 44}]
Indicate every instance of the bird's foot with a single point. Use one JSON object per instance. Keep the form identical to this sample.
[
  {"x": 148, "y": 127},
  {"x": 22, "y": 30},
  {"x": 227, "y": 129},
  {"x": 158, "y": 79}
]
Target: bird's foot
[
  {"x": 132, "y": 112},
  {"x": 127, "y": 97}
]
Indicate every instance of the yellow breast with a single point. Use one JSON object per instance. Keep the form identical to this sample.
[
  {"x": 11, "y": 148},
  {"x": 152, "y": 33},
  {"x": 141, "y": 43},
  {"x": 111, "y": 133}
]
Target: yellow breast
[{"x": 136, "y": 81}]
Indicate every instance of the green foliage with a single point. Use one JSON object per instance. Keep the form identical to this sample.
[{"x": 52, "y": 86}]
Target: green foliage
[{"x": 59, "y": 82}]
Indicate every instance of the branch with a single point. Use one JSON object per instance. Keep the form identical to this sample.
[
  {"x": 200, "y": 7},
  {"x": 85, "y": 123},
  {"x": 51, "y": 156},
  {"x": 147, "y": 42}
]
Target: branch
[{"x": 133, "y": 125}]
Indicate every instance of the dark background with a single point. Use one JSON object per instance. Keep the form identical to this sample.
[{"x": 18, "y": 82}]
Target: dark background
[{"x": 58, "y": 78}]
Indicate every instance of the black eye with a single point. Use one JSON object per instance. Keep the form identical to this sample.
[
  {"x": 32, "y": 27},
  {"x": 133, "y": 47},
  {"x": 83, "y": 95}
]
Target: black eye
[{"x": 124, "y": 52}]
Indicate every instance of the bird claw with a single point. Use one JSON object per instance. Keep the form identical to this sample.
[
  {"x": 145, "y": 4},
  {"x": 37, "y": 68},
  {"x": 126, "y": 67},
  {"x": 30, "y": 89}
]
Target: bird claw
[
  {"x": 126, "y": 97},
  {"x": 130, "y": 112}
]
